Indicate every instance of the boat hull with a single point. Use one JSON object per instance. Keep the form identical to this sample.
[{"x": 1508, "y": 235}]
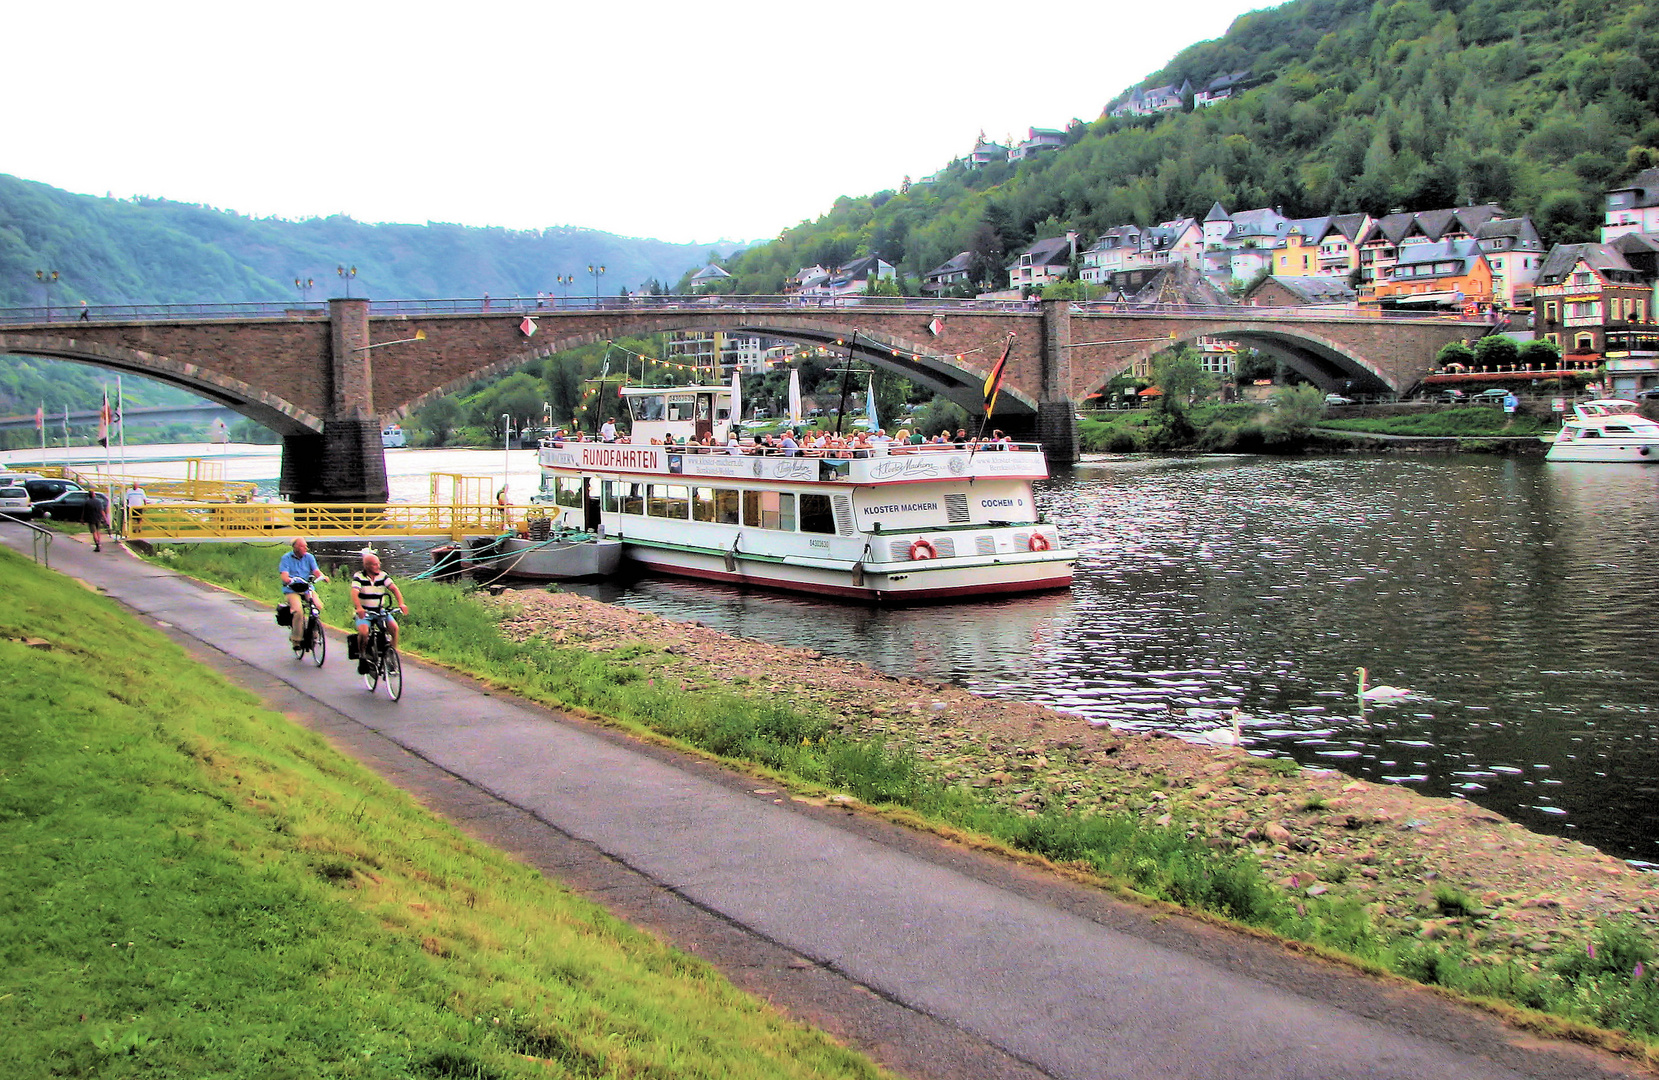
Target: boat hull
[
  {"x": 530, "y": 560},
  {"x": 908, "y": 583},
  {"x": 1605, "y": 450}
]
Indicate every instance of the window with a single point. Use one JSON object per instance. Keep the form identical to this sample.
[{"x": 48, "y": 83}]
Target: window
[
  {"x": 568, "y": 490},
  {"x": 816, "y": 514},
  {"x": 1551, "y": 312},
  {"x": 647, "y": 407},
  {"x": 1584, "y": 343},
  {"x": 769, "y": 510},
  {"x": 668, "y": 501},
  {"x": 1553, "y": 339},
  {"x": 631, "y": 498}
]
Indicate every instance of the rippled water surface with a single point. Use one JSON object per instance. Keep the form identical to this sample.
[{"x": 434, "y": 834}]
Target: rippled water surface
[{"x": 1515, "y": 598}]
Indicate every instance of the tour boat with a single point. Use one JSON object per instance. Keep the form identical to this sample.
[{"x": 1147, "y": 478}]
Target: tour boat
[
  {"x": 896, "y": 524},
  {"x": 1606, "y": 430},
  {"x": 392, "y": 437}
]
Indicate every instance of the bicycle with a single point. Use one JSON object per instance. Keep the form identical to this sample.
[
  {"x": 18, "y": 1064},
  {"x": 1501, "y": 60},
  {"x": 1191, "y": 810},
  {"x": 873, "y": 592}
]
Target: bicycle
[
  {"x": 378, "y": 658},
  {"x": 312, "y": 638}
]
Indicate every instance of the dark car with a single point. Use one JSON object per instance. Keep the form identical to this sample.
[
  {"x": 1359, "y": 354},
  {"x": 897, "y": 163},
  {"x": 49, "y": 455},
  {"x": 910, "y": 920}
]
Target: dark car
[
  {"x": 45, "y": 489},
  {"x": 1453, "y": 395},
  {"x": 1648, "y": 395},
  {"x": 71, "y": 506}
]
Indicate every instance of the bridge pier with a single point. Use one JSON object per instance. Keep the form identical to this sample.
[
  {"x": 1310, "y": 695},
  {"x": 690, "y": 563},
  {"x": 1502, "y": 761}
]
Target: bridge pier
[
  {"x": 344, "y": 464},
  {"x": 1056, "y": 415}
]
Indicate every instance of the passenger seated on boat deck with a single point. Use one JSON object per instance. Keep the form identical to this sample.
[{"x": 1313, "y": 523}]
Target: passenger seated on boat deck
[
  {"x": 791, "y": 448},
  {"x": 732, "y": 446}
]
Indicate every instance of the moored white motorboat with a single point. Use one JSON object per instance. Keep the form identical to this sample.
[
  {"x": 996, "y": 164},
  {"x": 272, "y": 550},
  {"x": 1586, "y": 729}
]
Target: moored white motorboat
[
  {"x": 1608, "y": 430},
  {"x": 559, "y": 556},
  {"x": 392, "y": 437},
  {"x": 887, "y": 523}
]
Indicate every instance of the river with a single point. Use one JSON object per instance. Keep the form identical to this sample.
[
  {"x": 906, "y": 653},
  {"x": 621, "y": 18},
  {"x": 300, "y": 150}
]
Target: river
[{"x": 1514, "y": 597}]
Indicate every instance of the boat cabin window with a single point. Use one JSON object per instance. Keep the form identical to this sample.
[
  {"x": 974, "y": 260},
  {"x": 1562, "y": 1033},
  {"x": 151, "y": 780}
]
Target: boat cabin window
[
  {"x": 719, "y": 505},
  {"x": 680, "y": 406},
  {"x": 568, "y": 490},
  {"x": 1618, "y": 429},
  {"x": 646, "y": 407},
  {"x": 1591, "y": 433},
  {"x": 668, "y": 501},
  {"x": 816, "y": 514},
  {"x": 621, "y": 497},
  {"x": 769, "y": 510}
]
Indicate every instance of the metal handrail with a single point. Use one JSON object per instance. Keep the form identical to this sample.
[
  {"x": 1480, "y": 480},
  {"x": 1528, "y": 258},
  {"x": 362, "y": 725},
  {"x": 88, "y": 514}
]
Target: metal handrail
[
  {"x": 42, "y": 538},
  {"x": 550, "y": 306}
]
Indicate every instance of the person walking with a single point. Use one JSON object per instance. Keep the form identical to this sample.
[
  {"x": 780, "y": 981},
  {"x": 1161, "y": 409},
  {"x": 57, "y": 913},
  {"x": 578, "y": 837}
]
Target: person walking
[{"x": 135, "y": 502}]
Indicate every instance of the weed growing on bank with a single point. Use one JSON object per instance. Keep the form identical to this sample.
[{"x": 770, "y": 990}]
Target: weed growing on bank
[
  {"x": 1157, "y": 860},
  {"x": 197, "y": 887}
]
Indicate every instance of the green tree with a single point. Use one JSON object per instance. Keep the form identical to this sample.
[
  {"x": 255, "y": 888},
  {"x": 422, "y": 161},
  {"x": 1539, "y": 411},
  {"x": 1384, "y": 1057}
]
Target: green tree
[
  {"x": 437, "y": 421},
  {"x": 520, "y": 396},
  {"x": 1455, "y": 352},
  {"x": 1296, "y": 410},
  {"x": 1496, "y": 351},
  {"x": 1182, "y": 379},
  {"x": 1540, "y": 353}
]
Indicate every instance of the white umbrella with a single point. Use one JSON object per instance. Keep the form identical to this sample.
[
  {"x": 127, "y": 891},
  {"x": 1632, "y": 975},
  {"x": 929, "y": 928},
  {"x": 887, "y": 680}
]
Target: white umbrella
[
  {"x": 795, "y": 396},
  {"x": 737, "y": 402}
]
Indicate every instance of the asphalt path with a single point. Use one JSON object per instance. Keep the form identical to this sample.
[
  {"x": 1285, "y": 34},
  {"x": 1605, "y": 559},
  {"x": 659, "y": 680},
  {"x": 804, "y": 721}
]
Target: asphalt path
[{"x": 937, "y": 960}]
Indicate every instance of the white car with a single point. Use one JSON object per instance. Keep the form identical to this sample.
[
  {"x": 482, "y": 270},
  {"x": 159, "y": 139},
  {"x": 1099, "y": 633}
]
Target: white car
[
  {"x": 1337, "y": 399},
  {"x": 14, "y": 500}
]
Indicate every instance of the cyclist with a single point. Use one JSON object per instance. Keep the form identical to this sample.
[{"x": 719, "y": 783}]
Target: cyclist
[
  {"x": 300, "y": 565},
  {"x": 368, "y": 593}
]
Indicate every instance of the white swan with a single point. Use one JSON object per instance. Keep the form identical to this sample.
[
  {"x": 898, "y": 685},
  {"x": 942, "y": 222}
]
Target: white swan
[
  {"x": 1224, "y": 736},
  {"x": 1380, "y": 693}
]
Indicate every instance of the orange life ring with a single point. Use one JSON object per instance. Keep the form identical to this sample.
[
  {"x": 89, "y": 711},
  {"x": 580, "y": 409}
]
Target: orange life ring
[
  {"x": 923, "y": 549},
  {"x": 1039, "y": 542}
]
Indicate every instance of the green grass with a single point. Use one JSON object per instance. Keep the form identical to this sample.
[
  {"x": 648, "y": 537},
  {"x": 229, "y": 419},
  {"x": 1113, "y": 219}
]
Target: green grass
[
  {"x": 196, "y": 887},
  {"x": 628, "y": 687},
  {"x": 1458, "y": 421}
]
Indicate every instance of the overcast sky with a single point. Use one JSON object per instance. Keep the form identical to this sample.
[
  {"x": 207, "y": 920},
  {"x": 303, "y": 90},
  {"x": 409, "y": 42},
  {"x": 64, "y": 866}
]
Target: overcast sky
[{"x": 682, "y": 121}]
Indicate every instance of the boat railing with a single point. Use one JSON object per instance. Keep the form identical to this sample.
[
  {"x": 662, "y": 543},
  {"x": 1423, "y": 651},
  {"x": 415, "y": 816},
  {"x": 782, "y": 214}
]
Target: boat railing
[{"x": 749, "y": 449}]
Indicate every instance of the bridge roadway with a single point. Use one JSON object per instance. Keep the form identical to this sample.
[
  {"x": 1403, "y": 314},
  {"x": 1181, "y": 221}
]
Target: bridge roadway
[{"x": 939, "y": 961}]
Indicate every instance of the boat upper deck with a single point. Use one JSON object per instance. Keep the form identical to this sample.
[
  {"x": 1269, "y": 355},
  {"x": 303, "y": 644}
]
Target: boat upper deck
[{"x": 897, "y": 465}]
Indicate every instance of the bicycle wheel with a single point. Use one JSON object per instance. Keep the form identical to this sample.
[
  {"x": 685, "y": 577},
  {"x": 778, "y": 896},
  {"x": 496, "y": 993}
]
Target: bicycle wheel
[
  {"x": 319, "y": 640},
  {"x": 371, "y": 662},
  {"x": 394, "y": 673}
]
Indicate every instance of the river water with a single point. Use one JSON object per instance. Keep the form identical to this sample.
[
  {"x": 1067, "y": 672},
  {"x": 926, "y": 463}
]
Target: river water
[{"x": 1515, "y": 598}]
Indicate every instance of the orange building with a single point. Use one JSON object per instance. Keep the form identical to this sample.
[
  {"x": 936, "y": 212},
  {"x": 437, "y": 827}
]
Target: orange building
[{"x": 1448, "y": 275}]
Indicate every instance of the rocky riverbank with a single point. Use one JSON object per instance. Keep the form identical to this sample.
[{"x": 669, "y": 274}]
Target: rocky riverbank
[{"x": 1439, "y": 869}]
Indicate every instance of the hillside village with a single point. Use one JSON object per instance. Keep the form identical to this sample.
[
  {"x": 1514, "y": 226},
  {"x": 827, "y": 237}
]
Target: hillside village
[{"x": 1595, "y": 302}]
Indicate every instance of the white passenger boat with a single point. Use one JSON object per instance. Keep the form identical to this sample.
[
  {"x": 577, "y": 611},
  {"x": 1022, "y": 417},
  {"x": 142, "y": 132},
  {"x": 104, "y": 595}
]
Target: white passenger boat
[
  {"x": 392, "y": 437},
  {"x": 900, "y": 525},
  {"x": 1607, "y": 430}
]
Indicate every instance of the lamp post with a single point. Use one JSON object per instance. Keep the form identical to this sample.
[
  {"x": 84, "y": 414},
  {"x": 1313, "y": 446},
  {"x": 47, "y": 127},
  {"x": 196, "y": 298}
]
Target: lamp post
[
  {"x": 565, "y": 281},
  {"x": 506, "y": 447},
  {"x": 347, "y": 273},
  {"x": 304, "y": 287},
  {"x": 49, "y": 278},
  {"x": 596, "y": 271}
]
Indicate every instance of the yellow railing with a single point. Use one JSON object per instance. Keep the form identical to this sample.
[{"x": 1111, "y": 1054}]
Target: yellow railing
[
  {"x": 202, "y": 521},
  {"x": 193, "y": 488}
]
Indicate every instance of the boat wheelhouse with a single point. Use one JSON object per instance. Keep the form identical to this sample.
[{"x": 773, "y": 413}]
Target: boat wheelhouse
[{"x": 891, "y": 523}]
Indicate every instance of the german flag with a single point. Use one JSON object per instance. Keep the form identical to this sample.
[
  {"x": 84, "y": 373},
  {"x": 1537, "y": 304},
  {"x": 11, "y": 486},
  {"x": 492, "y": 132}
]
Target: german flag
[
  {"x": 993, "y": 381},
  {"x": 103, "y": 421}
]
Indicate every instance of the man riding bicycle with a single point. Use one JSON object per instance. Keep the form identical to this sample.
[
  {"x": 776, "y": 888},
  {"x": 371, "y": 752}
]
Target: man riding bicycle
[
  {"x": 368, "y": 593},
  {"x": 299, "y": 565}
]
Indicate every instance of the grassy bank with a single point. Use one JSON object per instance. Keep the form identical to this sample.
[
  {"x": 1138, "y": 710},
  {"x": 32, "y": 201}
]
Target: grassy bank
[
  {"x": 1154, "y": 841},
  {"x": 196, "y": 887},
  {"x": 1249, "y": 428}
]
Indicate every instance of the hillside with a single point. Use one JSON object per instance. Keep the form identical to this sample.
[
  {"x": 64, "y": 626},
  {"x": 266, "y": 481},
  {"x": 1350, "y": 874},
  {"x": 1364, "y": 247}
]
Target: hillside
[
  {"x": 1356, "y": 106},
  {"x": 144, "y": 251}
]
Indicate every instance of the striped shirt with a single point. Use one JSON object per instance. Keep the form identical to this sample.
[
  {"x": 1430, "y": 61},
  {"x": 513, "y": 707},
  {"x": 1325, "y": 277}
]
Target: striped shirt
[{"x": 371, "y": 591}]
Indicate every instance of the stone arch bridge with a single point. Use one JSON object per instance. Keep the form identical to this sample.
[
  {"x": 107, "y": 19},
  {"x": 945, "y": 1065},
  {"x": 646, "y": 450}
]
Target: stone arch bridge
[{"x": 326, "y": 376}]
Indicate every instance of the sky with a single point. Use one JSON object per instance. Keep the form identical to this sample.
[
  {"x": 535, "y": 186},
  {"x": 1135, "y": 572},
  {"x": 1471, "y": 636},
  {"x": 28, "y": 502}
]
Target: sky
[{"x": 680, "y": 121}]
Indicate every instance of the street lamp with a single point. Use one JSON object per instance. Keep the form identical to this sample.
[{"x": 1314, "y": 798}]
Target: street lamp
[
  {"x": 49, "y": 278},
  {"x": 596, "y": 271},
  {"x": 506, "y": 449},
  {"x": 304, "y": 286},
  {"x": 347, "y": 272},
  {"x": 565, "y": 281}
]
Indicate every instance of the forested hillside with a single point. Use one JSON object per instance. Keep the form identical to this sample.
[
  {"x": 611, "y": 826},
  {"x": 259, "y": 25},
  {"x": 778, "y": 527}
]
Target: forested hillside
[
  {"x": 1417, "y": 104},
  {"x": 117, "y": 251}
]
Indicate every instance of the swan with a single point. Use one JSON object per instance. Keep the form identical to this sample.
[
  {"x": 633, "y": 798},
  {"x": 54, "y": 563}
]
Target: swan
[
  {"x": 1380, "y": 693},
  {"x": 1224, "y": 736}
]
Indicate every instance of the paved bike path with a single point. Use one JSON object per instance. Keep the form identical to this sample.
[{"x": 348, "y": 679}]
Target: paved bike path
[{"x": 1044, "y": 982}]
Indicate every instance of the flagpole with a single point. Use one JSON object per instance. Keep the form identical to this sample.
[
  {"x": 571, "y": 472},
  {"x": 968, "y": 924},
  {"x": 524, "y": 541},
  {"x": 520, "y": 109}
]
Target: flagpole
[
  {"x": 66, "y": 440},
  {"x": 40, "y": 422},
  {"x": 121, "y": 422},
  {"x": 109, "y": 480},
  {"x": 993, "y": 385}
]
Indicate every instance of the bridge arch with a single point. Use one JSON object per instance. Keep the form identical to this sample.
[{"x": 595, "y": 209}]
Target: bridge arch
[
  {"x": 1323, "y": 361},
  {"x": 909, "y": 357},
  {"x": 262, "y": 406}
]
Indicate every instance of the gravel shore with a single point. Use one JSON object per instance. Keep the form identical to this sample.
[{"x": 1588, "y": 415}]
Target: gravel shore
[{"x": 1316, "y": 832}]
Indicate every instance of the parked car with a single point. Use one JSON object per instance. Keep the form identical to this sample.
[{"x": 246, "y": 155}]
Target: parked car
[
  {"x": 1453, "y": 396},
  {"x": 1648, "y": 395},
  {"x": 14, "y": 501},
  {"x": 46, "y": 488},
  {"x": 1338, "y": 399},
  {"x": 70, "y": 506},
  {"x": 1493, "y": 394}
]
